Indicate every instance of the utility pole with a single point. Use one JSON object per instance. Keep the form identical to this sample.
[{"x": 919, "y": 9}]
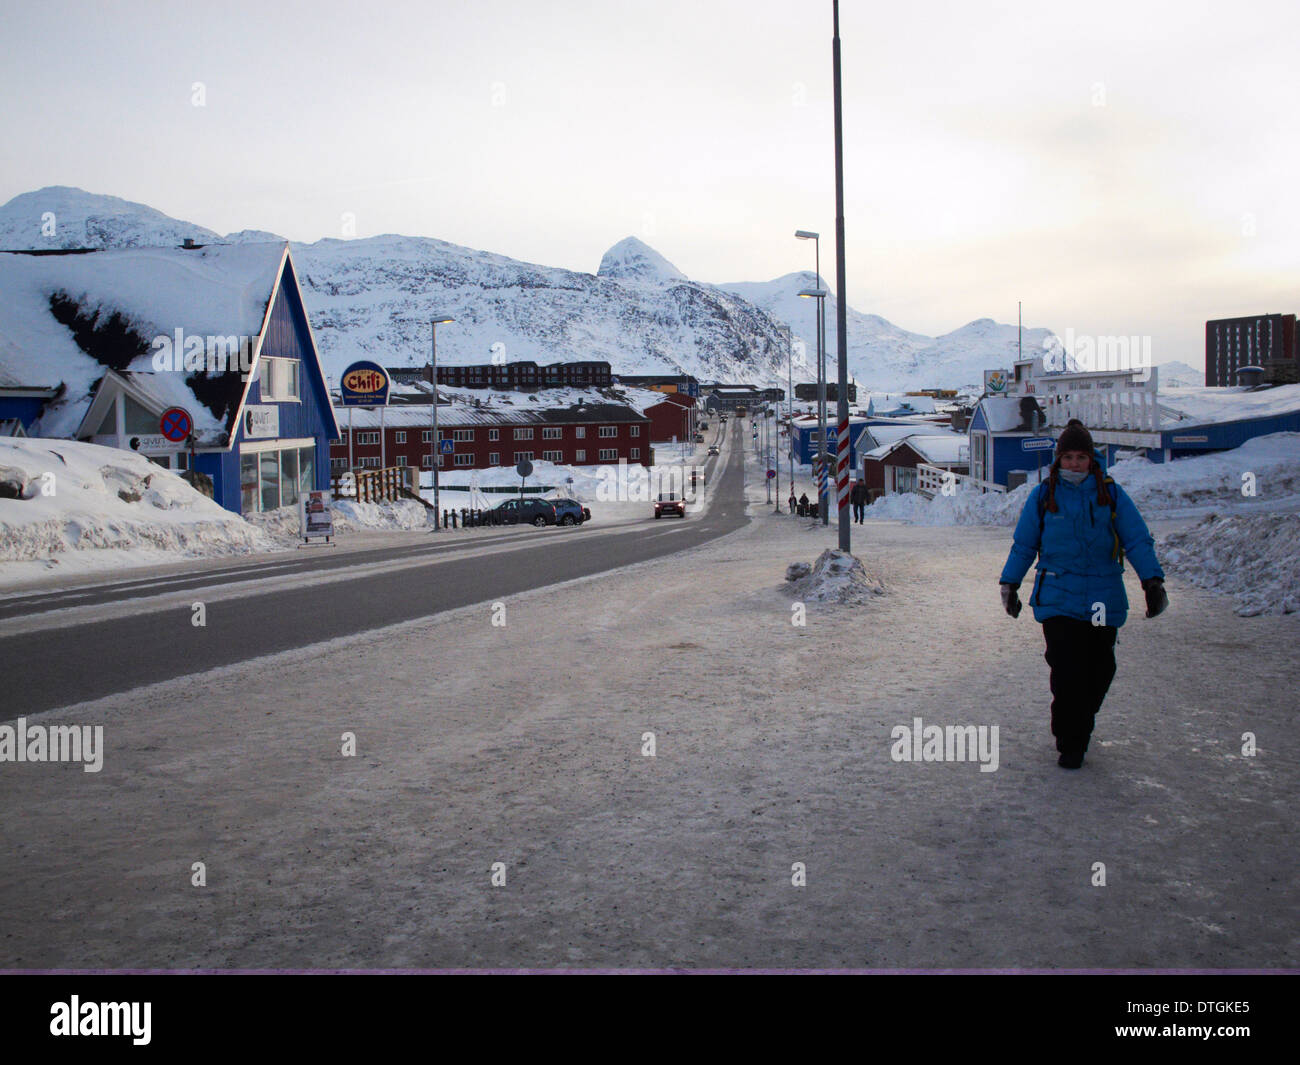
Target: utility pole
[{"x": 843, "y": 444}]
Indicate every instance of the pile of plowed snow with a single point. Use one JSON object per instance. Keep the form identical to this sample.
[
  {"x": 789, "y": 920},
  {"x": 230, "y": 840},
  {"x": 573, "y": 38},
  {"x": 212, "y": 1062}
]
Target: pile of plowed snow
[
  {"x": 83, "y": 497},
  {"x": 1251, "y": 556},
  {"x": 836, "y": 577}
]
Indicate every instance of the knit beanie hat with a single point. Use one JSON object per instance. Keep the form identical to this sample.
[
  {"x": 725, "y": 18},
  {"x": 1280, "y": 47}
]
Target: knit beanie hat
[{"x": 1074, "y": 437}]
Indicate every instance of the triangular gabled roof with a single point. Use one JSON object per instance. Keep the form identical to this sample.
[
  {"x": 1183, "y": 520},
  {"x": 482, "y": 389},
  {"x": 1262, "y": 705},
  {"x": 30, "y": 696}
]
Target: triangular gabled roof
[{"x": 98, "y": 319}]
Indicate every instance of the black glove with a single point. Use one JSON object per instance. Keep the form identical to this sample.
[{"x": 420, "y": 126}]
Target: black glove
[
  {"x": 1011, "y": 601},
  {"x": 1157, "y": 600}
]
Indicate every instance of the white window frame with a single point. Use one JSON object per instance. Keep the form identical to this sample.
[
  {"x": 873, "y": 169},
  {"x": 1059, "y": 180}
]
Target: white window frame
[
  {"x": 580, "y": 432},
  {"x": 523, "y": 434},
  {"x": 552, "y": 432},
  {"x": 464, "y": 459},
  {"x": 607, "y": 454},
  {"x": 552, "y": 456},
  {"x": 608, "y": 432}
]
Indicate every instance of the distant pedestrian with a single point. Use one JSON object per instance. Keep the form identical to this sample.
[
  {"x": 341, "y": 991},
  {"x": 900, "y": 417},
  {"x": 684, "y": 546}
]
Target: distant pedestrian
[
  {"x": 1080, "y": 523},
  {"x": 858, "y": 497},
  {"x": 793, "y": 501},
  {"x": 803, "y": 504}
]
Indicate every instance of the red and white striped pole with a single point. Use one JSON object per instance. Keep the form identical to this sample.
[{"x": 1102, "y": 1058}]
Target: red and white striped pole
[{"x": 842, "y": 464}]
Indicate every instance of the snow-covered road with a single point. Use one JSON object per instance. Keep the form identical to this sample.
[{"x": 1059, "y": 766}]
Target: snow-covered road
[{"x": 523, "y": 744}]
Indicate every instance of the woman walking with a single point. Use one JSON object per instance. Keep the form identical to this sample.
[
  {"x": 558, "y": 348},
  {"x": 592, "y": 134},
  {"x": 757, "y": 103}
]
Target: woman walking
[{"x": 1079, "y": 524}]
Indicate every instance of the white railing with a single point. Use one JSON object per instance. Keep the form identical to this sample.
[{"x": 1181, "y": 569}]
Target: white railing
[
  {"x": 931, "y": 479},
  {"x": 1132, "y": 409}
]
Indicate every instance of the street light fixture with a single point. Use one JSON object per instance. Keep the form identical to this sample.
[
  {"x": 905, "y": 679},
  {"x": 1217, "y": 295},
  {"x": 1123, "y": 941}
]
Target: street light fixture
[
  {"x": 433, "y": 383},
  {"x": 820, "y": 294}
]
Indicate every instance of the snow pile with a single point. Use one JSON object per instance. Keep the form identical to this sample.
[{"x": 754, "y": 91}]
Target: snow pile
[
  {"x": 836, "y": 577},
  {"x": 81, "y": 496},
  {"x": 1217, "y": 479},
  {"x": 1251, "y": 556},
  {"x": 964, "y": 507},
  {"x": 284, "y": 524}
]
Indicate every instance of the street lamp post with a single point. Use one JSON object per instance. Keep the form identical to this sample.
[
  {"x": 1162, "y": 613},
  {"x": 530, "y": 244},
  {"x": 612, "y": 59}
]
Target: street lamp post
[
  {"x": 433, "y": 382},
  {"x": 843, "y": 446},
  {"x": 804, "y": 234}
]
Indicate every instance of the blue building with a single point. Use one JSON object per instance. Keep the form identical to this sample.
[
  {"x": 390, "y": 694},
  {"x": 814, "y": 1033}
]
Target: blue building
[
  {"x": 107, "y": 341},
  {"x": 803, "y": 438}
]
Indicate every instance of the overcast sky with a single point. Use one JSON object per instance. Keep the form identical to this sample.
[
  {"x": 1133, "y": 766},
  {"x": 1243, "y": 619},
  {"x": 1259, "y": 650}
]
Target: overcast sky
[{"x": 1124, "y": 168}]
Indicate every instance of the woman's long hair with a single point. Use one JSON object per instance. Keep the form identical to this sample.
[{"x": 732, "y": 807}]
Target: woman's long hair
[{"x": 1053, "y": 478}]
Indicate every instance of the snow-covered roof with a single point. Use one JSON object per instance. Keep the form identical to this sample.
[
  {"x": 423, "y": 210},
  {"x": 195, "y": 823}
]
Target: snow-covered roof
[
  {"x": 1002, "y": 413},
  {"x": 940, "y": 449},
  {"x": 1206, "y": 406},
  {"x": 222, "y": 290}
]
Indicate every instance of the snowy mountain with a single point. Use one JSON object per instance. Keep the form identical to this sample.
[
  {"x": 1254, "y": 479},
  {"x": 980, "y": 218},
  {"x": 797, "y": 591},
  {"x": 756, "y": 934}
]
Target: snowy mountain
[
  {"x": 1180, "y": 375},
  {"x": 64, "y": 217},
  {"x": 634, "y": 260},
  {"x": 374, "y": 298}
]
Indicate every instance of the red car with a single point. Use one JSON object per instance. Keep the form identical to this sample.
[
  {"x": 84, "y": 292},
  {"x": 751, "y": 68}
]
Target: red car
[{"x": 670, "y": 504}]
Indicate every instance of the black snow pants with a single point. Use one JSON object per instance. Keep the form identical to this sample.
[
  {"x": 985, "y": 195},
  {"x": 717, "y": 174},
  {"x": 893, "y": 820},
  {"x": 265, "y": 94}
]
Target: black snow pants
[
  {"x": 859, "y": 511},
  {"x": 1082, "y": 658}
]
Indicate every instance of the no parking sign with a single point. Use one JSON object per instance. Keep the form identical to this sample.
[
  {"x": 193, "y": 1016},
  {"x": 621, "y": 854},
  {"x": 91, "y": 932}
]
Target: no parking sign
[{"x": 176, "y": 424}]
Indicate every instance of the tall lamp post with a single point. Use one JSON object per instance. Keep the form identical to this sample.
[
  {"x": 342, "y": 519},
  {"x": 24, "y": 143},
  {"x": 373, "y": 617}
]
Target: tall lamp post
[
  {"x": 843, "y": 444},
  {"x": 820, "y": 294},
  {"x": 433, "y": 381},
  {"x": 804, "y": 234}
]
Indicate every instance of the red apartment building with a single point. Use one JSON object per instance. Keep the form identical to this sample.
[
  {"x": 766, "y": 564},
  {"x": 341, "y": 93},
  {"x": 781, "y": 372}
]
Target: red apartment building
[{"x": 588, "y": 435}]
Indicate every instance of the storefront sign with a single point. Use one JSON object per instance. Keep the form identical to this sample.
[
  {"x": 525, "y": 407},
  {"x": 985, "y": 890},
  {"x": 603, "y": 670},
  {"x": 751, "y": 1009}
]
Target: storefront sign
[
  {"x": 996, "y": 382},
  {"x": 261, "y": 420},
  {"x": 364, "y": 384}
]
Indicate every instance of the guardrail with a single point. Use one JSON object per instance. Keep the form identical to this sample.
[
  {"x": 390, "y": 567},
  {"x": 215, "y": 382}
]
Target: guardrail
[{"x": 931, "y": 479}]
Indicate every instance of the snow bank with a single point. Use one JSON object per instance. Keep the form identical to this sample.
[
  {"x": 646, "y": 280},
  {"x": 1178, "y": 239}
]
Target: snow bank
[
  {"x": 1216, "y": 479},
  {"x": 964, "y": 507},
  {"x": 1251, "y": 556},
  {"x": 83, "y": 497},
  {"x": 836, "y": 577},
  {"x": 284, "y": 525}
]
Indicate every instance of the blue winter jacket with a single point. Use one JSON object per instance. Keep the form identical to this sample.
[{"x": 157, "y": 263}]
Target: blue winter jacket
[{"x": 1076, "y": 567}]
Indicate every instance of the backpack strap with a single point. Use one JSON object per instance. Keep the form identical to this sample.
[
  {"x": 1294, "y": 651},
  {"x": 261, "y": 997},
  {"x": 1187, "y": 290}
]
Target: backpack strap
[{"x": 1117, "y": 550}]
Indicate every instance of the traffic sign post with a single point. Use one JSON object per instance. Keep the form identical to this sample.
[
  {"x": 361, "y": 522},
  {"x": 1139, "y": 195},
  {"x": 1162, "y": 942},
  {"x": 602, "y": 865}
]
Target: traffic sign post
[
  {"x": 177, "y": 426},
  {"x": 525, "y": 469}
]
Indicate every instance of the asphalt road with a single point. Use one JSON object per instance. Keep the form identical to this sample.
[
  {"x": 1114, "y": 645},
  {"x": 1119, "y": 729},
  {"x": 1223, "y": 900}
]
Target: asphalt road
[{"x": 73, "y": 663}]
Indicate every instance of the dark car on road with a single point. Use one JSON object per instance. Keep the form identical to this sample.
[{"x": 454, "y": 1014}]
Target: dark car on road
[
  {"x": 525, "y": 511},
  {"x": 668, "y": 503},
  {"x": 570, "y": 511}
]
